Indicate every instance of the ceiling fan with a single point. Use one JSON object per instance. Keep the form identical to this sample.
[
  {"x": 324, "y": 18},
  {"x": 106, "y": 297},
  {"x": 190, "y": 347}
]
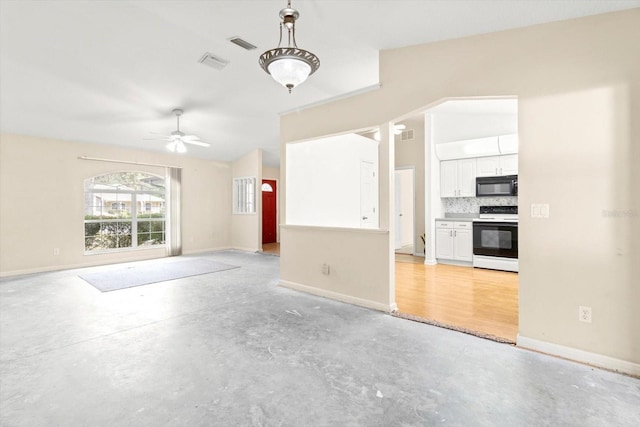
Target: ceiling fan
[{"x": 177, "y": 139}]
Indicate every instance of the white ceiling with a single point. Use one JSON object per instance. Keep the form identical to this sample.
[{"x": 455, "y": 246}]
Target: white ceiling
[{"x": 111, "y": 71}]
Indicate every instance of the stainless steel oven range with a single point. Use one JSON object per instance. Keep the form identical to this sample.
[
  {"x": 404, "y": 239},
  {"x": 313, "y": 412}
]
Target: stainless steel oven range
[{"x": 495, "y": 238}]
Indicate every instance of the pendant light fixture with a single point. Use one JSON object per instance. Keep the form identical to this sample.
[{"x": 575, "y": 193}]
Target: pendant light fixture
[{"x": 289, "y": 65}]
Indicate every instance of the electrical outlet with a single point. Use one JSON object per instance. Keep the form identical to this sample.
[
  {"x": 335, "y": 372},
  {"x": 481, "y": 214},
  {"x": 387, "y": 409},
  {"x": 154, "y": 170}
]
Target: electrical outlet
[
  {"x": 584, "y": 314},
  {"x": 56, "y": 251},
  {"x": 325, "y": 269}
]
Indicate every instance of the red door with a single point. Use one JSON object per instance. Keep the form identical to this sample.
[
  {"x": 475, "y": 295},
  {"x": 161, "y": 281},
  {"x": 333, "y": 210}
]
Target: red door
[{"x": 269, "y": 222}]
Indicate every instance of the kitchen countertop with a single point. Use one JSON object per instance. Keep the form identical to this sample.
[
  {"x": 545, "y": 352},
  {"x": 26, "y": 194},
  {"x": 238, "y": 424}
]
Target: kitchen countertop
[{"x": 454, "y": 219}]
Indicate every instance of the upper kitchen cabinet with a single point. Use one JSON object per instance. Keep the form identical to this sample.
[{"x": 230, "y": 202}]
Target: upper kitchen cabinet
[
  {"x": 497, "y": 165},
  {"x": 458, "y": 178}
]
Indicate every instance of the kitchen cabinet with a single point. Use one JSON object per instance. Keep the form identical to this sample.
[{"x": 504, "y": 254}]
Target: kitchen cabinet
[
  {"x": 454, "y": 240},
  {"x": 458, "y": 178},
  {"x": 497, "y": 165}
]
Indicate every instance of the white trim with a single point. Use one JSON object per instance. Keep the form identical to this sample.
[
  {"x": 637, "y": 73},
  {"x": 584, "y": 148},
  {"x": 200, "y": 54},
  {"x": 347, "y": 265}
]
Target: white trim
[
  {"x": 341, "y": 229},
  {"x": 430, "y": 262},
  {"x": 332, "y": 99},
  {"x": 339, "y": 297},
  {"x": 496, "y": 263},
  {"x": 452, "y": 262},
  {"x": 51, "y": 268},
  {"x": 577, "y": 355},
  {"x": 127, "y": 162},
  {"x": 201, "y": 251},
  {"x": 161, "y": 254}
]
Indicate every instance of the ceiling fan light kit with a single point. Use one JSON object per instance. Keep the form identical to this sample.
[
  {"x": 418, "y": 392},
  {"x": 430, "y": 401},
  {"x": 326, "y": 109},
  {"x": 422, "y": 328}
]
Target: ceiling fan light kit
[
  {"x": 289, "y": 65},
  {"x": 178, "y": 139}
]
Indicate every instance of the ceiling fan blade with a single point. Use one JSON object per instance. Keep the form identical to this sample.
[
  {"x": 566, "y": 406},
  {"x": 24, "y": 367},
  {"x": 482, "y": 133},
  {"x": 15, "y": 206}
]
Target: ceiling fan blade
[
  {"x": 160, "y": 138},
  {"x": 200, "y": 143},
  {"x": 190, "y": 138}
]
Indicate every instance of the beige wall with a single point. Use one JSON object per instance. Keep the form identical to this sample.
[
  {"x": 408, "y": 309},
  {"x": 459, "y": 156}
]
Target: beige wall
[
  {"x": 246, "y": 229},
  {"x": 343, "y": 250},
  {"x": 42, "y": 202},
  {"x": 270, "y": 173},
  {"x": 578, "y": 85},
  {"x": 411, "y": 153}
]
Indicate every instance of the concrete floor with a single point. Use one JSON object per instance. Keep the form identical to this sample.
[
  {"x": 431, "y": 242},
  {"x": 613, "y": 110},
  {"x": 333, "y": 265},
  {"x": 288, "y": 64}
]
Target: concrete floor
[{"x": 232, "y": 348}]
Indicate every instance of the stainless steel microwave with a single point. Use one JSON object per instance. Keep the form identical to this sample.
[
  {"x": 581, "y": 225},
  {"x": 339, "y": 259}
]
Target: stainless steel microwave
[{"x": 497, "y": 186}]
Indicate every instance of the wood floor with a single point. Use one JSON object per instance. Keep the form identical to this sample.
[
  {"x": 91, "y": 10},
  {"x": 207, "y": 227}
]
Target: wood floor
[
  {"x": 480, "y": 301},
  {"x": 471, "y": 299},
  {"x": 271, "y": 248}
]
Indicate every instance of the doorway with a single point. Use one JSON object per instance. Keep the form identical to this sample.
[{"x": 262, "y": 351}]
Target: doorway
[
  {"x": 445, "y": 289},
  {"x": 269, "y": 211},
  {"x": 405, "y": 211}
]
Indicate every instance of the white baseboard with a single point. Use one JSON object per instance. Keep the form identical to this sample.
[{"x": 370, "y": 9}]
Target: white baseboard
[
  {"x": 46, "y": 269},
  {"x": 339, "y": 297},
  {"x": 577, "y": 355},
  {"x": 202, "y": 251},
  {"x": 430, "y": 262},
  {"x": 50, "y": 268},
  {"x": 454, "y": 262},
  {"x": 252, "y": 250}
]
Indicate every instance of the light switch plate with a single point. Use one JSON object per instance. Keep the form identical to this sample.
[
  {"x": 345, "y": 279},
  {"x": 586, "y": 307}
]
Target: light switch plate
[{"x": 539, "y": 210}]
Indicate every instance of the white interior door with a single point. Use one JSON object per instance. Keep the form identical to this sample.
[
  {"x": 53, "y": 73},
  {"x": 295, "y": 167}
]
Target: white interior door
[
  {"x": 398, "y": 210},
  {"x": 368, "y": 196},
  {"x": 405, "y": 236}
]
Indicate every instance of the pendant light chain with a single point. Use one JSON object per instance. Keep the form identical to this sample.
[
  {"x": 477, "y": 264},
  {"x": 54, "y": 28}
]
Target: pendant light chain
[{"x": 289, "y": 65}]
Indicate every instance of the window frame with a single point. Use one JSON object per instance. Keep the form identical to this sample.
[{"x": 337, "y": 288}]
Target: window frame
[
  {"x": 244, "y": 195},
  {"x": 132, "y": 210}
]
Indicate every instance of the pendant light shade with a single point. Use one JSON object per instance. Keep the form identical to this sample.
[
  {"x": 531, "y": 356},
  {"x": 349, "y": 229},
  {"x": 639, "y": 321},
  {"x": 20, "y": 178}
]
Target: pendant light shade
[{"x": 289, "y": 65}]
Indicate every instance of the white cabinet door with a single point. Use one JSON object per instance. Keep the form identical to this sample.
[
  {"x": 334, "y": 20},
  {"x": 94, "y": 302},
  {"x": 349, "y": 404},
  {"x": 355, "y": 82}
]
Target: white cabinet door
[
  {"x": 509, "y": 164},
  {"x": 463, "y": 244},
  {"x": 497, "y": 165},
  {"x": 444, "y": 243},
  {"x": 487, "y": 166},
  {"x": 449, "y": 178},
  {"x": 467, "y": 178}
]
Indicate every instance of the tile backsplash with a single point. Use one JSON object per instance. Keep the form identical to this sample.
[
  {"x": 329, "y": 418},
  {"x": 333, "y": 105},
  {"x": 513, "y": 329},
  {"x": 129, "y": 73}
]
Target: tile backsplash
[{"x": 472, "y": 204}]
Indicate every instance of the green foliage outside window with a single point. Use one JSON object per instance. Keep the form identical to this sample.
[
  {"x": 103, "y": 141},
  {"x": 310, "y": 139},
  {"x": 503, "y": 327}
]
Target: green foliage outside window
[{"x": 112, "y": 201}]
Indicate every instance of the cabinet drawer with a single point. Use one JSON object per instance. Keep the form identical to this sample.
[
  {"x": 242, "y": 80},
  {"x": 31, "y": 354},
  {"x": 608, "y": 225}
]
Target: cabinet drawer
[
  {"x": 444, "y": 224},
  {"x": 462, "y": 224}
]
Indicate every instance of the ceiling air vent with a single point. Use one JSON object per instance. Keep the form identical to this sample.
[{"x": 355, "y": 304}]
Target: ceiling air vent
[
  {"x": 407, "y": 135},
  {"x": 242, "y": 43},
  {"x": 213, "y": 61}
]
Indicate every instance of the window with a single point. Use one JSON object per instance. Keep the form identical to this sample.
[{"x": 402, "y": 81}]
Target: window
[
  {"x": 136, "y": 217},
  {"x": 266, "y": 187},
  {"x": 244, "y": 195}
]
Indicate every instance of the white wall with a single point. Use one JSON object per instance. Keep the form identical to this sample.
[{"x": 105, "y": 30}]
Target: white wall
[
  {"x": 578, "y": 86},
  {"x": 323, "y": 178},
  {"x": 42, "y": 202},
  {"x": 458, "y": 127},
  {"x": 246, "y": 229}
]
